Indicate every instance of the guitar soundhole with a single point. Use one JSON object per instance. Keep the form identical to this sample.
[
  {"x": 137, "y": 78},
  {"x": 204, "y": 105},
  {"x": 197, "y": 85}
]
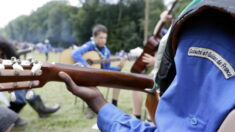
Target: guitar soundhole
[{"x": 89, "y": 61}]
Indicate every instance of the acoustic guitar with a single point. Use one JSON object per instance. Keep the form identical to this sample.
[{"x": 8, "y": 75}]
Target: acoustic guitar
[
  {"x": 27, "y": 74},
  {"x": 92, "y": 58}
]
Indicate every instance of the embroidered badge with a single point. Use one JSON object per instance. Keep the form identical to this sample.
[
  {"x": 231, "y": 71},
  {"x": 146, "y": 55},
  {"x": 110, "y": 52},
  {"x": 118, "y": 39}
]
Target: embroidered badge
[{"x": 224, "y": 66}]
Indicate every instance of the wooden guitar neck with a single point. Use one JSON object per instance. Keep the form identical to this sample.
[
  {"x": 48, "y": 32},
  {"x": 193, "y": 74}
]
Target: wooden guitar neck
[{"x": 13, "y": 79}]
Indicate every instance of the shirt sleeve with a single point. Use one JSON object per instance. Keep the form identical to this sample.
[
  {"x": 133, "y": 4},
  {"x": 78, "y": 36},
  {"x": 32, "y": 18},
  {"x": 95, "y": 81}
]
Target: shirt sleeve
[
  {"x": 111, "y": 119},
  {"x": 107, "y": 65},
  {"x": 113, "y": 68},
  {"x": 77, "y": 54}
]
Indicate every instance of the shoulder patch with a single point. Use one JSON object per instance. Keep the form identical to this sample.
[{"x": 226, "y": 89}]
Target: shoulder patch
[{"x": 225, "y": 67}]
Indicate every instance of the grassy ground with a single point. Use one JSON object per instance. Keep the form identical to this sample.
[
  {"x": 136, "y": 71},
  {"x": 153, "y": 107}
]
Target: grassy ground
[{"x": 70, "y": 118}]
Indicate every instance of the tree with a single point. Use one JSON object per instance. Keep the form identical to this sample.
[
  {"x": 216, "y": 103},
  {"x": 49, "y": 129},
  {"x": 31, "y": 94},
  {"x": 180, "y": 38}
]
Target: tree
[{"x": 64, "y": 25}]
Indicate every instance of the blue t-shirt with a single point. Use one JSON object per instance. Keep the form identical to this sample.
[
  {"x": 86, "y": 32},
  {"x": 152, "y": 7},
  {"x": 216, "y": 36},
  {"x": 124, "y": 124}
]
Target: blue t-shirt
[
  {"x": 202, "y": 92},
  {"x": 47, "y": 48}
]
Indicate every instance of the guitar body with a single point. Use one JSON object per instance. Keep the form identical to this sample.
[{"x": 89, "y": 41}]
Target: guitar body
[
  {"x": 92, "y": 55},
  {"x": 65, "y": 57},
  {"x": 151, "y": 104}
]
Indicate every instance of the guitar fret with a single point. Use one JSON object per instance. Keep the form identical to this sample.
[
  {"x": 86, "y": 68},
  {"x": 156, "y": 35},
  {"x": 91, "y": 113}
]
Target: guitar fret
[{"x": 10, "y": 72}]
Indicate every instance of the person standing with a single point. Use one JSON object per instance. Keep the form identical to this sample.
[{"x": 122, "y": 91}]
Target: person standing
[{"x": 47, "y": 48}]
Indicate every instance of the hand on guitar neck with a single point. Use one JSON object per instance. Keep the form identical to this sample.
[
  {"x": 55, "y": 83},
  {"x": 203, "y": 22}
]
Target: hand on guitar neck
[
  {"x": 165, "y": 16},
  {"x": 91, "y": 95},
  {"x": 122, "y": 62}
]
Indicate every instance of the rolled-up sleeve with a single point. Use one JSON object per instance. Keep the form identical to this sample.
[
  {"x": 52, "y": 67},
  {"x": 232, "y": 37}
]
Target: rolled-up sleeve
[{"x": 111, "y": 119}]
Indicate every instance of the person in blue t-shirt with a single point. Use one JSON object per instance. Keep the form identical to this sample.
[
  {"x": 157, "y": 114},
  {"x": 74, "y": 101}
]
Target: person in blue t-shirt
[
  {"x": 202, "y": 92},
  {"x": 47, "y": 48},
  {"x": 98, "y": 44}
]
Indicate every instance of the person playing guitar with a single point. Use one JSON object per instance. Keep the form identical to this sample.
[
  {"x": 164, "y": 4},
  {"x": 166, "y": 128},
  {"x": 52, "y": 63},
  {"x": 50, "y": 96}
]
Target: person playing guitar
[{"x": 98, "y": 44}]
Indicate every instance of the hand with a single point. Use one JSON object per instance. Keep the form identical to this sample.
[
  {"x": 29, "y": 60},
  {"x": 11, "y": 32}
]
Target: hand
[
  {"x": 91, "y": 95},
  {"x": 150, "y": 60},
  {"x": 122, "y": 62},
  {"x": 164, "y": 16}
]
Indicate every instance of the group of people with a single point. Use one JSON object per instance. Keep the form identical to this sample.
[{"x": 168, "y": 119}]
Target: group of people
[{"x": 194, "y": 69}]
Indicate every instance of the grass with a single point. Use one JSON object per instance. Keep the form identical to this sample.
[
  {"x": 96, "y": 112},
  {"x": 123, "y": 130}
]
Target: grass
[{"x": 71, "y": 117}]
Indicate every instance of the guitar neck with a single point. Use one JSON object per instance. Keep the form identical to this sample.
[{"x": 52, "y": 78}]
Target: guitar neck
[
  {"x": 105, "y": 60},
  {"x": 111, "y": 60},
  {"x": 96, "y": 77},
  {"x": 16, "y": 77}
]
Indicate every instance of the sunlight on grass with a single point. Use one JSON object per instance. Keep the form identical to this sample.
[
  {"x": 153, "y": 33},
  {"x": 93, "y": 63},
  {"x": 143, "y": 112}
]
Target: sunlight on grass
[{"x": 71, "y": 117}]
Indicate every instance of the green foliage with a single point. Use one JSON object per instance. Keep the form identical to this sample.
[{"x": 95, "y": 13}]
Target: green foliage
[
  {"x": 64, "y": 25},
  {"x": 51, "y": 21},
  {"x": 122, "y": 21}
]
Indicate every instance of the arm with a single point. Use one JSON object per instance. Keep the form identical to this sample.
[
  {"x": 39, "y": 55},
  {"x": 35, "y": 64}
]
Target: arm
[
  {"x": 112, "y": 68},
  {"x": 77, "y": 54},
  {"x": 110, "y": 118},
  {"x": 115, "y": 68}
]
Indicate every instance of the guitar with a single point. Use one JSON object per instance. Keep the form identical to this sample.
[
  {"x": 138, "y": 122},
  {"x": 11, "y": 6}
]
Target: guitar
[
  {"x": 92, "y": 58},
  {"x": 27, "y": 74},
  {"x": 66, "y": 56},
  {"x": 95, "y": 61}
]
